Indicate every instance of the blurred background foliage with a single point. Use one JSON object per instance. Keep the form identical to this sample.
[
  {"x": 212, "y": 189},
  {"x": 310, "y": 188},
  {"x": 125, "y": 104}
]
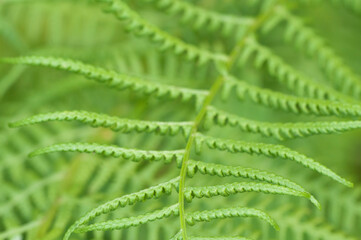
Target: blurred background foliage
[{"x": 40, "y": 197}]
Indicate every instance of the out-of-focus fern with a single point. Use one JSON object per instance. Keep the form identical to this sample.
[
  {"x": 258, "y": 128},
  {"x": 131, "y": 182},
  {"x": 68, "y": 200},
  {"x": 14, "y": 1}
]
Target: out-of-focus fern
[{"x": 169, "y": 107}]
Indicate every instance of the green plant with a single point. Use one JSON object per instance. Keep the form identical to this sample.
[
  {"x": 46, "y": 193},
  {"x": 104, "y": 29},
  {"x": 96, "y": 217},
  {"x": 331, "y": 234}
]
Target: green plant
[{"x": 176, "y": 101}]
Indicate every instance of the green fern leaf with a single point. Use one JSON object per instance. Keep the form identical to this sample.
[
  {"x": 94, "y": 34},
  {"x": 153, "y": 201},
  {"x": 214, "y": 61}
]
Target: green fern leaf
[
  {"x": 112, "y": 79},
  {"x": 201, "y": 18},
  {"x": 114, "y": 123},
  {"x": 152, "y": 192},
  {"x": 290, "y": 103},
  {"x": 132, "y": 221},
  {"x": 192, "y": 218},
  {"x": 305, "y": 38},
  {"x": 269, "y": 150},
  {"x": 206, "y": 216},
  {"x": 114, "y": 151},
  {"x": 254, "y": 174},
  {"x": 142, "y": 28},
  {"x": 277, "y": 130},
  {"x": 226, "y": 190},
  {"x": 288, "y": 76}
]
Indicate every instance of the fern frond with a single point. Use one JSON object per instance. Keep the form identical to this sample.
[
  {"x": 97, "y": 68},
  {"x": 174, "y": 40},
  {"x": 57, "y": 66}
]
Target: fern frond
[
  {"x": 114, "y": 123},
  {"x": 191, "y": 218},
  {"x": 287, "y": 75},
  {"x": 208, "y": 215},
  {"x": 89, "y": 183},
  {"x": 279, "y": 130},
  {"x": 236, "y": 171},
  {"x": 142, "y": 27},
  {"x": 228, "y": 189},
  {"x": 111, "y": 78},
  {"x": 114, "y": 151},
  {"x": 131, "y": 221},
  {"x": 130, "y": 199},
  {"x": 305, "y": 38},
  {"x": 269, "y": 150},
  {"x": 290, "y": 103},
  {"x": 201, "y": 18}
]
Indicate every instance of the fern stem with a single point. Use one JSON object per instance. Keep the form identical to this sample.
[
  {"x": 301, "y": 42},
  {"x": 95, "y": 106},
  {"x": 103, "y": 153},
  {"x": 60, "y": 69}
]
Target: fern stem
[{"x": 201, "y": 114}]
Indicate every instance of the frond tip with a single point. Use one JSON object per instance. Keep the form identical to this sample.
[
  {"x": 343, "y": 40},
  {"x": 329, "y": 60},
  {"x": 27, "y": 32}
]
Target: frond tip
[{"x": 114, "y": 123}]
